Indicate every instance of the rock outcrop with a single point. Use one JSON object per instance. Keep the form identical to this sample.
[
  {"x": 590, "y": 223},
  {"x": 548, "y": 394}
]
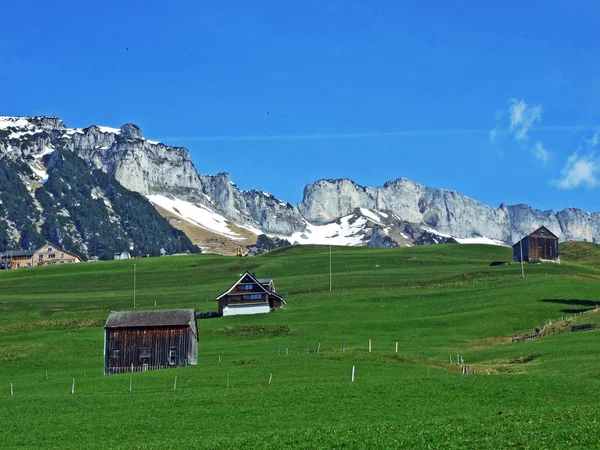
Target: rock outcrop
[{"x": 153, "y": 168}]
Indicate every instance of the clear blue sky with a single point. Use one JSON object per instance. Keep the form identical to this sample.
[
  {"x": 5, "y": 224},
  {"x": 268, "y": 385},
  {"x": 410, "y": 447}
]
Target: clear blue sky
[{"x": 500, "y": 103}]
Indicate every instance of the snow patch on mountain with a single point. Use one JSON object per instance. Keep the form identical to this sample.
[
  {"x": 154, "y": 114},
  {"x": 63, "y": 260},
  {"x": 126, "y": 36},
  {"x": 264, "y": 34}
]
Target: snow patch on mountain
[
  {"x": 480, "y": 240},
  {"x": 348, "y": 230},
  {"x": 199, "y": 215}
]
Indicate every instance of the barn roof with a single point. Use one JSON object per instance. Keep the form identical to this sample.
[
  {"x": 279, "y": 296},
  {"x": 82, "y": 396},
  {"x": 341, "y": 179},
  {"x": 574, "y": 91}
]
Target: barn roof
[
  {"x": 160, "y": 318},
  {"x": 534, "y": 232}
]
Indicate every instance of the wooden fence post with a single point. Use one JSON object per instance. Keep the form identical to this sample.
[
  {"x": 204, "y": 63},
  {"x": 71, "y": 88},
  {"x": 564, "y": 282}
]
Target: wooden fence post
[
  {"x": 352, "y": 379},
  {"x": 73, "y": 386},
  {"x": 369, "y": 345},
  {"x": 396, "y": 346}
]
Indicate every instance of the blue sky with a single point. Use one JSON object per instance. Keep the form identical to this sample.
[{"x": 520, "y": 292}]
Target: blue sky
[{"x": 497, "y": 102}]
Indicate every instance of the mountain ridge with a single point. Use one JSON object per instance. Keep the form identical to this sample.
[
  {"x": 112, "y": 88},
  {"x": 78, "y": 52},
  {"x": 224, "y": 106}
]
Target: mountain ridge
[{"x": 334, "y": 211}]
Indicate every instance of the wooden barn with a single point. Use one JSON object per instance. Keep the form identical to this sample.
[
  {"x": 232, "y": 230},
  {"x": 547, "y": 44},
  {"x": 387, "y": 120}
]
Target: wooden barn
[
  {"x": 250, "y": 295},
  {"x": 542, "y": 244},
  {"x": 137, "y": 341}
]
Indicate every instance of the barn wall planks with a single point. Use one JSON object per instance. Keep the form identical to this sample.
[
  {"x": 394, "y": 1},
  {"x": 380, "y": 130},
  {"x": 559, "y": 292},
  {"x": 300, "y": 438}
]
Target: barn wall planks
[{"x": 140, "y": 349}]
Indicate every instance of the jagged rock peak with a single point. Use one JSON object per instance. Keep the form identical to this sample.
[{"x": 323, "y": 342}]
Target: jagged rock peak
[{"x": 129, "y": 130}]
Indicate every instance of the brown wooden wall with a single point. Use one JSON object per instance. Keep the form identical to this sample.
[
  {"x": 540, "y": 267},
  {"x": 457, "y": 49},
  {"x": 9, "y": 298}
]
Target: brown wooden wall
[
  {"x": 148, "y": 348},
  {"x": 542, "y": 247}
]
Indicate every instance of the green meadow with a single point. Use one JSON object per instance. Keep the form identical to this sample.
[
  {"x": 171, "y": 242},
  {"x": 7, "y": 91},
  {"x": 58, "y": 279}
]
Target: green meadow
[{"x": 438, "y": 303}]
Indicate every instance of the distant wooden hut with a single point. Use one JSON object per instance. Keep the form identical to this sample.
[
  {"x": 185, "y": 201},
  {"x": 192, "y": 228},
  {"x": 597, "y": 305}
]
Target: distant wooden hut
[
  {"x": 249, "y": 295},
  {"x": 149, "y": 340},
  {"x": 542, "y": 244}
]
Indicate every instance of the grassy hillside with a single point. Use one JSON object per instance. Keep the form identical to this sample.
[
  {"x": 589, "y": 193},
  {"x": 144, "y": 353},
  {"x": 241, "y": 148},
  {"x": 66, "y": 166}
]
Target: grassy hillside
[
  {"x": 585, "y": 253},
  {"x": 437, "y": 302}
]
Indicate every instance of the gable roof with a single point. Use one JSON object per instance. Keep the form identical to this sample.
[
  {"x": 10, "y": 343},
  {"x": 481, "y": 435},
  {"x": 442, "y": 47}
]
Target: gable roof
[
  {"x": 56, "y": 248},
  {"x": 247, "y": 274},
  {"x": 160, "y": 318},
  {"x": 535, "y": 231},
  {"x": 543, "y": 228}
]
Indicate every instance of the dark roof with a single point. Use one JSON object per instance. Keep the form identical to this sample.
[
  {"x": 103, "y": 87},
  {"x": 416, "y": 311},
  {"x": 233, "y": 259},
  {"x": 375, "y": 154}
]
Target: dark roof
[
  {"x": 533, "y": 232},
  {"x": 19, "y": 252},
  {"x": 160, "y": 318},
  {"x": 247, "y": 274},
  {"x": 264, "y": 280}
]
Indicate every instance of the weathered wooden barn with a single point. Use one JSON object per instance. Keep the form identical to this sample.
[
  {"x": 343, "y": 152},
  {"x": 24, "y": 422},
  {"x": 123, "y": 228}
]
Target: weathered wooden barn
[
  {"x": 250, "y": 295},
  {"x": 137, "y": 341},
  {"x": 542, "y": 244}
]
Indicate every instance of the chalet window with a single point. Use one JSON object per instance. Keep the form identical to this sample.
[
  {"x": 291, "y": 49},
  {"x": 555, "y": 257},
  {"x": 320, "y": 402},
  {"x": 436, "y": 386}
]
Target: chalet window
[
  {"x": 173, "y": 356},
  {"x": 62, "y": 255},
  {"x": 52, "y": 255},
  {"x": 246, "y": 287},
  {"x": 114, "y": 354},
  {"x": 144, "y": 353},
  {"x": 255, "y": 296},
  {"x": 49, "y": 249},
  {"x": 40, "y": 256}
]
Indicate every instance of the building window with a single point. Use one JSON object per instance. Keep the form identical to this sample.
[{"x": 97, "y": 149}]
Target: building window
[
  {"x": 114, "y": 354},
  {"x": 62, "y": 255},
  {"x": 255, "y": 296},
  {"x": 28, "y": 264},
  {"x": 246, "y": 287},
  {"x": 173, "y": 356},
  {"x": 49, "y": 249},
  {"x": 40, "y": 256},
  {"x": 144, "y": 353},
  {"x": 52, "y": 255}
]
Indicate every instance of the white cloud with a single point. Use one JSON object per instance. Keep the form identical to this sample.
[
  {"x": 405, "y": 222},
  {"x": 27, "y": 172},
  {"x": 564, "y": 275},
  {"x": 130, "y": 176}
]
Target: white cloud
[
  {"x": 593, "y": 141},
  {"x": 541, "y": 153},
  {"x": 493, "y": 134},
  {"x": 579, "y": 171},
  {"x": 523, "y": 118}
]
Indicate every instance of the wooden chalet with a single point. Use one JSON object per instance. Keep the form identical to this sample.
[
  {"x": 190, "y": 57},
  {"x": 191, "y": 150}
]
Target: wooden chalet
[
  {"x": 250, "y": 295},
  {"x": 137, "y": 341},
  {"x": 47, "y": 254},
  {"x": 540, "y": 245}
]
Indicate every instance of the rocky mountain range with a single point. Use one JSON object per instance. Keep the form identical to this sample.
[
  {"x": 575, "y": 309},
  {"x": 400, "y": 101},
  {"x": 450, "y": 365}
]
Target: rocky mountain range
[{"x": 44, "y": 163}]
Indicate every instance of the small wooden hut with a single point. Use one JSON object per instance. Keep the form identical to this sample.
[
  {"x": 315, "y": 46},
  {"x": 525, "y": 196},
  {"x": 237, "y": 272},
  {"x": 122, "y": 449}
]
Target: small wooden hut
[
  {"x": 136, "y": 341},
  {"x": 542, "y": 244}
]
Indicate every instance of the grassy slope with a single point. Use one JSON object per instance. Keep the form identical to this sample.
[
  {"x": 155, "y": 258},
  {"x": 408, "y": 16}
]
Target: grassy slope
[
  {"x": 584, "y": 253},
  {"x": 440, "y": 300}
]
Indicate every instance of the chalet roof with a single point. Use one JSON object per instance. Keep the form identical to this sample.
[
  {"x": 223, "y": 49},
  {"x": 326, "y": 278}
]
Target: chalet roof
[
  {"x": 160, "y": 318},
  {"x": 264, "y": 280},
  {"x": 247, "y": 274}
]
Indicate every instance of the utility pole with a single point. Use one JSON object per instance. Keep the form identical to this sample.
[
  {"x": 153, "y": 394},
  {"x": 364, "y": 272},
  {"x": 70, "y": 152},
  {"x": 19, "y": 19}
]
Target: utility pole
[
  {"x": 134, "y": 286},
  {"x": 522, "y": 268},
  {"x": 330, "y": 269}
]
